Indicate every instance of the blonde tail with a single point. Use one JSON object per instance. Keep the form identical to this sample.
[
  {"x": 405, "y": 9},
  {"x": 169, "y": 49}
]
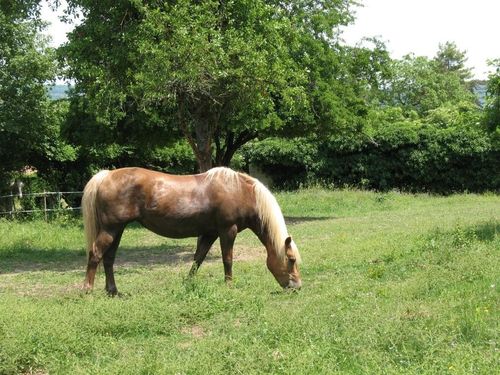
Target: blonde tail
[{"x": 90, "y": 219}]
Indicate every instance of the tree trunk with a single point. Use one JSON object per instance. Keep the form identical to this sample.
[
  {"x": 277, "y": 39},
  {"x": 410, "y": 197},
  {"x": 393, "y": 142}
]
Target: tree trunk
[
  {"x": 232, "y": 143},
  {"x": 204, "y": 135},
  {"x": 201, "y": 144},
  {"x": 204, "y": 162}
]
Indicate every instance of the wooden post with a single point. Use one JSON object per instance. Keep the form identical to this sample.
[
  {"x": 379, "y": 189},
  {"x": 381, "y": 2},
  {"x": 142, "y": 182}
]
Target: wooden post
[
  {"x": 45, "y": 204},
  {"x": 12, "y": 206}
]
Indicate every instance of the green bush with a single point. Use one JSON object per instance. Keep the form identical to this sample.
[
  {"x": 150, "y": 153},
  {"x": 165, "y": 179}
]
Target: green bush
[
  {"x": 447, "y": 151},
  {"x": 289, "y": 162}
]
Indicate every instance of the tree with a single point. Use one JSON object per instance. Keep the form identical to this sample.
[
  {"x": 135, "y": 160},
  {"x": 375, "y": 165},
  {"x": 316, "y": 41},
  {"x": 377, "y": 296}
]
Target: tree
[
  {"x": 451, "y": 60},
  {"x": 420, "y": 84},
  {"x": 493, "y": 100},
  {"x": 29, "y": 133},
  {"x": 223, "y": 72}
]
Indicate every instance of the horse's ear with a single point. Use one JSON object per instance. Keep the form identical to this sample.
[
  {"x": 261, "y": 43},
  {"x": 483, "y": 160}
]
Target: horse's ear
[{"x": 290, "y": 254}]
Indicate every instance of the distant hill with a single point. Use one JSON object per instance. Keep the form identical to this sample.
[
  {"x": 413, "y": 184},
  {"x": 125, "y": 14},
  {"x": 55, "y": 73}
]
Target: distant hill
[
  {"x": 479, "y": 89},
  {"x": 57, "y": 92}
]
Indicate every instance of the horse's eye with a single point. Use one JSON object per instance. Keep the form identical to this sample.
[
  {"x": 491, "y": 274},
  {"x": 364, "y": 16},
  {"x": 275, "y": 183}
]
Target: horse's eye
[{"x": 291, "y": 260}]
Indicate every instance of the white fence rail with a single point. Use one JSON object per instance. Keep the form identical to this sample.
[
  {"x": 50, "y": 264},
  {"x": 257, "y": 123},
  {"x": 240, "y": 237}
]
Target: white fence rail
[{"x": 12, "y": 205}]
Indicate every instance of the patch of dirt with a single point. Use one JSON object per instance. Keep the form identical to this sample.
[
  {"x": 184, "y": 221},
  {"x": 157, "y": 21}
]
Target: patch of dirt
[
  {"x": 414, "y": 314},
  {"x": 26, "y": 289},
  {"x": 183, "y": 257},
  {"x": 195, "y": 331},
  {"x": 160, "y": 255},
  {"x": 248, "y": 253},
  {"x": 35, "y": 372},
  {"x": 179, "y": 257}
]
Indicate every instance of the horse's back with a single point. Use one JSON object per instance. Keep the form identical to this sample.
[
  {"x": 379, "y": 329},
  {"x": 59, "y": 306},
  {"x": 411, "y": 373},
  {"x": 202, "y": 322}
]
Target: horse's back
[
  {"x": 172, "y": 205},
  {"x": 127, "y": 192}
]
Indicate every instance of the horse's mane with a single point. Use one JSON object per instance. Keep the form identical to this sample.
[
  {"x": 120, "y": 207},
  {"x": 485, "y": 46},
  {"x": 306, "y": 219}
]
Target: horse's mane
[
  {"x": 267, "y": 207},
  {"x": 227, "y": 175}
]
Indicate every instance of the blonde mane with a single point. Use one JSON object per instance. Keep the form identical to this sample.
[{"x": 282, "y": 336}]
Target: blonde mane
[
  {"x": 230, "y": 177},
  {"x": 268, "y": 209},
  {"x": 272, "y": 219}
]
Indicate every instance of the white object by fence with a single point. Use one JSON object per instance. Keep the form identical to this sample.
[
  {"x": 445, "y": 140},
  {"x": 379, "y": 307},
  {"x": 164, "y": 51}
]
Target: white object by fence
[{"x": 46, "y": 209}]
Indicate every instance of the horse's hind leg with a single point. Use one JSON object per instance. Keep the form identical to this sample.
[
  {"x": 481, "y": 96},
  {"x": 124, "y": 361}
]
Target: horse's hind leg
[
  {"x": 108, "y": 261},
  {"x": 101, "y": 244},
  {"x": 205, "y": 242}
]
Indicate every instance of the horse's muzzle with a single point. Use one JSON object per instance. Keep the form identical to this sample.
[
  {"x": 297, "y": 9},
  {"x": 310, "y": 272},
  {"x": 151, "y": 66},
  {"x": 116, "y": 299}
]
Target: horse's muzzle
[{"x": 294, "y": 284}]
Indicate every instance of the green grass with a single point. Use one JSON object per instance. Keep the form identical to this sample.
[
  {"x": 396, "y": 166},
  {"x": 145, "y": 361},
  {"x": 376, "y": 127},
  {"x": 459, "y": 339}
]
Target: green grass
[{"x": 393, "y": 284}]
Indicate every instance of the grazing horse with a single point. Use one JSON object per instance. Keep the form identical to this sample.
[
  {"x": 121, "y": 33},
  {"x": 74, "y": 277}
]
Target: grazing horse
[{"x": 216, "y": 204}]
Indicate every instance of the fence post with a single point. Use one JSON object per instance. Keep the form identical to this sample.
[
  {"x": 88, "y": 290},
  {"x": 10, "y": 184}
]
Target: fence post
[
  {"x": 12, "y": 206},
  {"x": 45, "y": 204}
]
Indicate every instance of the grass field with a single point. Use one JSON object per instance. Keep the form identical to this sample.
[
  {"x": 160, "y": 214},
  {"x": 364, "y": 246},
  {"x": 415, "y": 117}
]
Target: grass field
[{"x": 393, "y": 284}]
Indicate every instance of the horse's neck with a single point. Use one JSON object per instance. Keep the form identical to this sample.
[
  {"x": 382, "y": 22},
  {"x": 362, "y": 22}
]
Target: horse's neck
[{"x": 263, "y": 234}]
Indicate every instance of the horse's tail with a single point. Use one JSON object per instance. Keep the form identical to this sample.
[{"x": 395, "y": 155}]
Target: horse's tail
[{"x": 91, "y": 222}]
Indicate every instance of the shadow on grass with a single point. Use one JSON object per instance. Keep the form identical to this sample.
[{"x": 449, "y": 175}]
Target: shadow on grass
[
  {"x": 21, "y": 258},
  {"x": 487, "y": 231}
]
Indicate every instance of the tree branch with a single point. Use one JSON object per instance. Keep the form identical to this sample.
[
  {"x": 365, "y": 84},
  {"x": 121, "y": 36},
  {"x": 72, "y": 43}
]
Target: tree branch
[{"x": 185, "y": 129}]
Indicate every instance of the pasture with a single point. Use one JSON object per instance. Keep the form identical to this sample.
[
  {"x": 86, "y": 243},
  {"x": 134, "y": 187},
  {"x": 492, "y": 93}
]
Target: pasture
[{"x": 393, "y": 284}]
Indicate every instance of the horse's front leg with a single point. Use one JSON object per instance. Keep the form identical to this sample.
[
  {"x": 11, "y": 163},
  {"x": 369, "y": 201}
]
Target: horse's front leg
[
  {"x": 205, "y": 242},
  {"x": 227, "y": 238}
]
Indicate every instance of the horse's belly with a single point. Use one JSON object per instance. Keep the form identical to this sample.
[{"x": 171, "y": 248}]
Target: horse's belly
[{"x": 178, "y": 228}]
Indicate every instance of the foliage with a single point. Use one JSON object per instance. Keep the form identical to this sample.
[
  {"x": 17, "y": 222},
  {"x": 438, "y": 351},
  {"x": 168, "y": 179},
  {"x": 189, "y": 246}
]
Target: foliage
[
  {"x": 393, "y": 284},
  {"x": 451, "y": 60},
  {"x": 420, "y": 130},
  {"x": 29, "y": 122},
  {"x": 446, "y": 151},
  {"x": 155, "y": 79},
  {"x": 420, "y": 84},
  {"x": 289, "y": 162},
  {"x": 221, "y": 73},
  {"x": 493, "y": 101},
  {"x": 118, "y": 145}
]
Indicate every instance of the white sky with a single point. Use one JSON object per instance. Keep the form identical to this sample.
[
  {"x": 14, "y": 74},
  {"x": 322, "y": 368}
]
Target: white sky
[
  {"x": 406, "y": 26},
  {"x": 56, "y": 30},
  {"x": 419, "y": 26}
]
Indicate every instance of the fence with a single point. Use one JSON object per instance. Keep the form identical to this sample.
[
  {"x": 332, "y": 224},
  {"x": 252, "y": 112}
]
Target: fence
[{"x": 14, "y": 205}]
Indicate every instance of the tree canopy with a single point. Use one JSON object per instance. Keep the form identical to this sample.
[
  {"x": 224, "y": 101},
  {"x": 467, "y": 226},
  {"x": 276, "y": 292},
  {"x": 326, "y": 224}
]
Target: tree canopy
[
  {"x": 493, "y": 100},
  {"x": 222, "y": 73},
  {"x": 421, "y": 84},
  {"x": 29, "y": 127}
]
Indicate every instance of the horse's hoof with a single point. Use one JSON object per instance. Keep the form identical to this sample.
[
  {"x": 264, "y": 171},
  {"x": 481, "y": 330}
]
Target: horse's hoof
[
  {"x": 117, "y": 294},
  {"x": 112, "y": 293},
  {"x": 86, "y": 289}
]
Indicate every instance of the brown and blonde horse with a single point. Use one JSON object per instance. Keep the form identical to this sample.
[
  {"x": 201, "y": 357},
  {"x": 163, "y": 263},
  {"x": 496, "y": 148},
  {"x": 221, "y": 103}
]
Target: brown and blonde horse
[{"x": 216, "y": 204}]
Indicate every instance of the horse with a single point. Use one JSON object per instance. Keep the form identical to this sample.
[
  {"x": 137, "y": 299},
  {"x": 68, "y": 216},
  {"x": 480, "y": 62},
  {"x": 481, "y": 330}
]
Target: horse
[{"x": 219, "y": 203}]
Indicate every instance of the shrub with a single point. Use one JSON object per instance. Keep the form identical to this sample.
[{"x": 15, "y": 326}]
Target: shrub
[{"x": 448, "y": 151}]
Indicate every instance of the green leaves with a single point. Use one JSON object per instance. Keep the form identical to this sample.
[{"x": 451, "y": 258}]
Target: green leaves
[
  {"x": 419, "y": 84},
  {"x": 493, "y": 101},
  {"x": 221, "y": 72},
  {"x": 29, "y": 123}
]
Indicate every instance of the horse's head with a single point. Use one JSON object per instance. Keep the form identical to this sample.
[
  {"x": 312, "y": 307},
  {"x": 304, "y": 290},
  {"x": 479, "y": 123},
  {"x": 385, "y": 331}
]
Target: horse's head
[{"x": 285, "y": 269}]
